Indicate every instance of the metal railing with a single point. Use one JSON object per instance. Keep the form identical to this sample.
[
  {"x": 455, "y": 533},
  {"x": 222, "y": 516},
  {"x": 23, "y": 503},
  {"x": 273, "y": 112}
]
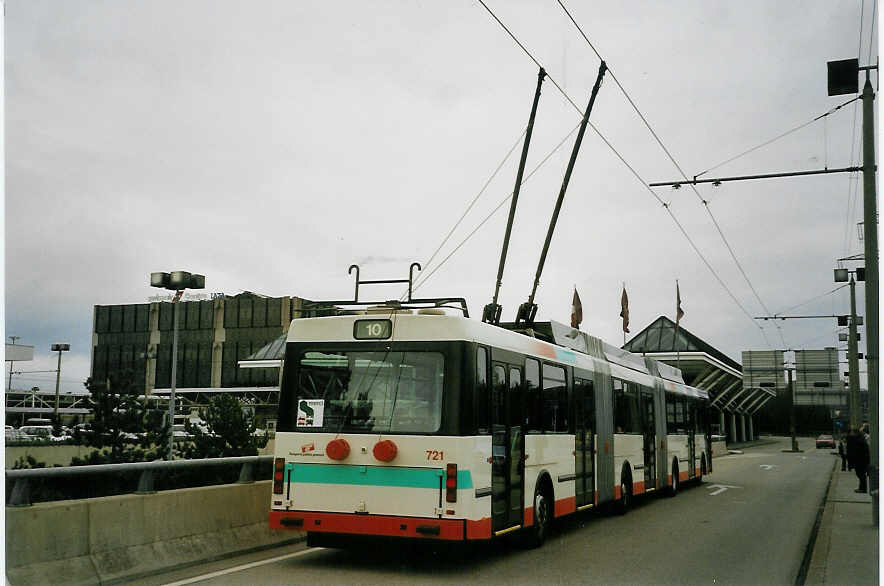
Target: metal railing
[{"x": 21, "y": 496}]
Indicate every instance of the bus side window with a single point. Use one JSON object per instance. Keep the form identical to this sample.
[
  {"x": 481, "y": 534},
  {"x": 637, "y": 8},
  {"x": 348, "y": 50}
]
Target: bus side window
[
  {"x": 621, "y": 413},
  {"x": 626, "y": 414},
  {"x": 555, "y": 399},
  {"x": 481, "y": 395},
  {"x": 533, "y": 408},
  {"x": 670, "y": 413}
]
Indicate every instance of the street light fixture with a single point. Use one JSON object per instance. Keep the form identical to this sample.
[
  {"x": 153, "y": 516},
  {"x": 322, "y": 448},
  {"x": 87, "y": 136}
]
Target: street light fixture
[
  {"x": 176, "y": 281},
  {"x": 58, "y": 348},
  {"x": 841, "y": 276}
]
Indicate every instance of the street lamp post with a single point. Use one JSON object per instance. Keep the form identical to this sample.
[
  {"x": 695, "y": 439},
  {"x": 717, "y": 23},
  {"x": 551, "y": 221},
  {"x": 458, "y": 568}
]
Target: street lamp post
[
  {"x": 843, "y": 78},
  {"x": 9, "y": 386},
  {"x": 58, "y": 348},
  {"x": 852, "y": 339},
  {"x": 176, "y": 281}
]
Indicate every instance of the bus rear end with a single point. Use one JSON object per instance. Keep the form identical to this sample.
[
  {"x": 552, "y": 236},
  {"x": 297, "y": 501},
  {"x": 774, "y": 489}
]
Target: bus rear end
[{"x": 367, "y": 442}]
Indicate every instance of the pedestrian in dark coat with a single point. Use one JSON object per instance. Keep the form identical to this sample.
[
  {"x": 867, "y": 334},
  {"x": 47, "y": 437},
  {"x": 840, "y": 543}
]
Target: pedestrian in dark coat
[
  {"x": 858, "y": 456},
  {"x": 843, "y": 453}
]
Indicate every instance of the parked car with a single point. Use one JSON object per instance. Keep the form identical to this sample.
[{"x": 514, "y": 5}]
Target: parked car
[{"x": 825, "y": 441}]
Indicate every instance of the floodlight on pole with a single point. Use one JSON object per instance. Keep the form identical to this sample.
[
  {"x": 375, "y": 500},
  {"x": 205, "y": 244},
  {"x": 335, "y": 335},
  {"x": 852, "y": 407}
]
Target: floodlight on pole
[
  {"x": 58, "y": 348},
  {"x": 176, "y": 281}
]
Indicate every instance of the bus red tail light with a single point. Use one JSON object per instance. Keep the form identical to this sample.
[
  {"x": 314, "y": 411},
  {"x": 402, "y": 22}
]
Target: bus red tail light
[
  {"x": 337, "y": 449},
  {"x": 385, "y": 451},
  {"x": 278, "y": 471},
  {"x": 451, "y": 483}
]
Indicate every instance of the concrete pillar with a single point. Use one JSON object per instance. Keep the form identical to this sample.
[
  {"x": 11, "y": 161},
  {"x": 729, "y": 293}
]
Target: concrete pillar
[
  {"x": 218, "y": 339},
  {"x": 742, "y": 427},
  {"x": 721, "y": 422},
  {"x": 153, "y": 343},
  {"x": 751, "y": 429},
  {"x": 732, "y": 432}
]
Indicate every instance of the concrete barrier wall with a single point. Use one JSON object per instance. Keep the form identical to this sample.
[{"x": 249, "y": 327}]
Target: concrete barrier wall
[
  {"x": 52, "y": 455},
  {"x": 114, "y": 538},
  {"x": 60, "y": 455},
  {"x": 719, "y": 449}
]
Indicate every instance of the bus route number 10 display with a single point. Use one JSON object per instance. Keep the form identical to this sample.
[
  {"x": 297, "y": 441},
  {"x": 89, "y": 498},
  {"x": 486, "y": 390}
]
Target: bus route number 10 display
[{"x": 372, "y": 329}]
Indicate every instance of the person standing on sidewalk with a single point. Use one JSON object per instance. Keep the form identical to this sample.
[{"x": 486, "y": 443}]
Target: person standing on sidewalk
[
  {"x": 842, "y": 451},
  {"x": 858, "y": 456}
]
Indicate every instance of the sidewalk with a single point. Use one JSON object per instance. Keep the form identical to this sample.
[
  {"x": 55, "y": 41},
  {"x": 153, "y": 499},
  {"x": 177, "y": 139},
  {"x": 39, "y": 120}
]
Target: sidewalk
[{"x": 846, "y": 548}]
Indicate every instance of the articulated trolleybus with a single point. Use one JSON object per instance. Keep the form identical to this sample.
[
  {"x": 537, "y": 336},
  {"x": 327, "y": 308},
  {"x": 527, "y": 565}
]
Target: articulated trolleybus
[{"x": 411, "y": 422}]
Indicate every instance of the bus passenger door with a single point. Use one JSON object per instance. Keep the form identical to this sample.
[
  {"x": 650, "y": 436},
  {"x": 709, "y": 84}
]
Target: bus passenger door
[
  {"x": 650, "y": 444},
  {"x": 507, "y": 447},
  {"x": 692, "y": 447},
  {"x": 516, "y": 446},
  {"x": 584, "y": 463}
]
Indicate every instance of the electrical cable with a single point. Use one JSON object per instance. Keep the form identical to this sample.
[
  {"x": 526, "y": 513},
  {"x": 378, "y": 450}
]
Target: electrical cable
[
  {"x": 423, "y": 279},
  {"x": 576, "y": 107},
  {"x": 777, "y": 137},
  {"x": 851, "y": 179},
  {"x": 803, "y": 303},
  {"x": 680, "y": 170},
  {"x": 475, "y": 199}
]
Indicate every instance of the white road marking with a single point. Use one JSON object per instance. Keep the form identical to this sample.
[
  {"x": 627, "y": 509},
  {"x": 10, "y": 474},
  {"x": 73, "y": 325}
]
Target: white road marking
[
  {"x": 721, "y": 488},
  {"x": 767, "y": 466},
  {"x": 242, "y": 567}
]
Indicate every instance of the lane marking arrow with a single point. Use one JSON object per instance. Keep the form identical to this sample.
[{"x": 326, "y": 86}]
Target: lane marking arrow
[{"x": 721, "y": 488}]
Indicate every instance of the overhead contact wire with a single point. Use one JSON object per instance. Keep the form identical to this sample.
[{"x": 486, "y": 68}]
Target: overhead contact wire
[
  {"x": 677, "y": 166},
  {"x": 475, "y": 199},
  {"x": 424, "y": 279}
]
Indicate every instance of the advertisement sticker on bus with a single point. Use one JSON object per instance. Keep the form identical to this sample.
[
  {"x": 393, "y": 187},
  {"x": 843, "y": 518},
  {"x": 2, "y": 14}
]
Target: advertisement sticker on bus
[{"x": 310, "y": 412}]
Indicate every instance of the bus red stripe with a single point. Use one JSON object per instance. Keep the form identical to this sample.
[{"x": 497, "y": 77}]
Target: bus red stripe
[{"x": 384, "y": 525}]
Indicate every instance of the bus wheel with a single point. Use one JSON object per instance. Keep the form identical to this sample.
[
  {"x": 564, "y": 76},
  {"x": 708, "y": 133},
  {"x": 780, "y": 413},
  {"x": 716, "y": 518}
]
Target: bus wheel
[
  {"x": 625, "y": 494},
  {"x": 673, "y": 490},
  {"x": 538, "y": 531}
]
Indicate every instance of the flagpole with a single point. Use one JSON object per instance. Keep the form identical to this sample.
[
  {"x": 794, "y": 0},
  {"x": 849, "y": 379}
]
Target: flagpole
[{"x": 677, "y": 319}]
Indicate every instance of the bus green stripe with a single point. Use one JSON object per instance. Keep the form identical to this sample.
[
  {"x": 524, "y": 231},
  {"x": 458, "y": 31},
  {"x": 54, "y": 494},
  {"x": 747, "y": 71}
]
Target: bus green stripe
[{"x": 374, "y": 476}]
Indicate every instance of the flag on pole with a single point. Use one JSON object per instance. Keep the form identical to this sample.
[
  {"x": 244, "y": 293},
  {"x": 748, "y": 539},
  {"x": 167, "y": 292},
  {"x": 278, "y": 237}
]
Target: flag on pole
[
  {"x": 576, "y": 310},
  {"x": 624, "y": 310},
  {"x": 679, "y": 312}
]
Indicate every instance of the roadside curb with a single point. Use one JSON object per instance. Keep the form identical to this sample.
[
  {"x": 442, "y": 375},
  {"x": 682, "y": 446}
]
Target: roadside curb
[{"x": 815, "y": 562}]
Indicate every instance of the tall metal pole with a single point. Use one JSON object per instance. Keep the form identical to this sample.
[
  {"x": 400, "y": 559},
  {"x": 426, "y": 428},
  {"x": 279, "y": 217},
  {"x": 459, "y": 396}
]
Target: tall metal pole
[
  {"x": 492, "y": 311},
  {"x": 792, "y": 411},
  {"x": 870, "y": 237},
  {"x": 853, "y": 361},
  {"x": 57, "y": 383},
  {"x": 11, "y": 362},
  {"x": 528, "y": 309},
  {"x": 175, "y": 303}
]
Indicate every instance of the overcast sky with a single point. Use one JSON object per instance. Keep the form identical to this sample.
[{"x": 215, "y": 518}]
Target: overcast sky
[{"x": 269, "y": 145}]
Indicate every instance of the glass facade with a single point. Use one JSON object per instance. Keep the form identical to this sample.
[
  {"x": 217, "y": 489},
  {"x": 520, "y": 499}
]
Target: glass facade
[{"x": 250, "y": 322}]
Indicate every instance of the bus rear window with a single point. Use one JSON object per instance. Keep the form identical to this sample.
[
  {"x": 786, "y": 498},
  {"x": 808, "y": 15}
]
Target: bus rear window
[{"x": 378, "y": 392}]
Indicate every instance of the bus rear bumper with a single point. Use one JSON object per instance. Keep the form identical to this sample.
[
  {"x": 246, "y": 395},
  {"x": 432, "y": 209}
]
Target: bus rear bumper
[{"x": 370, "y": 525}]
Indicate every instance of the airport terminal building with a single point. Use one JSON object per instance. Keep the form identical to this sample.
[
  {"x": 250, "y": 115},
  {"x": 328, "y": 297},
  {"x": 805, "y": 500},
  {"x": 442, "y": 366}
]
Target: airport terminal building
[{"x": 213, "y": 335}]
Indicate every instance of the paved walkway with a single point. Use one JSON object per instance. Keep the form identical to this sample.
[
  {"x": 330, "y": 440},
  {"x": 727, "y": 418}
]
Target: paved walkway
[{"x": 846, "y": 548}]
